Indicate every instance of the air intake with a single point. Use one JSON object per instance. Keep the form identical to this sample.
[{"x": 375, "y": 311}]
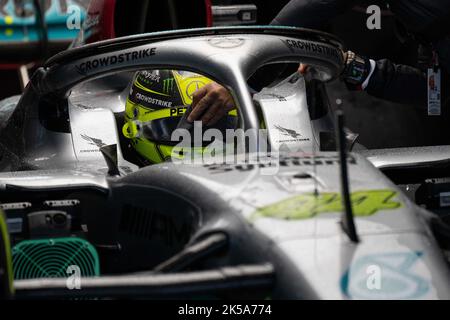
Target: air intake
[{"x": 51, "y": 258}]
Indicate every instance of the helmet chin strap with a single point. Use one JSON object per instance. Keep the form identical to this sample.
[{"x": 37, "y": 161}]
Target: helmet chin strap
[{"x": 131, "y": 129}]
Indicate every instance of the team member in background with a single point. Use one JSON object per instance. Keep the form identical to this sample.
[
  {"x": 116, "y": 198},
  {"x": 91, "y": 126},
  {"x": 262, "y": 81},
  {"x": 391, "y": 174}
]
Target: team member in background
[{"x": 426, "y": 20}]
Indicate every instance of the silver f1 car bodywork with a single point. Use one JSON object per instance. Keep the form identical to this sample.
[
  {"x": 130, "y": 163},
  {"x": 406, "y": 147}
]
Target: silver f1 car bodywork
[{"x": 287, "y": 215}]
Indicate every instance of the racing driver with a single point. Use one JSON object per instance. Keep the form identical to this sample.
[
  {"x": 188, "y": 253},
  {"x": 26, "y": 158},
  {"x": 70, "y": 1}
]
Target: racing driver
[{"x": 157, "y": 103}]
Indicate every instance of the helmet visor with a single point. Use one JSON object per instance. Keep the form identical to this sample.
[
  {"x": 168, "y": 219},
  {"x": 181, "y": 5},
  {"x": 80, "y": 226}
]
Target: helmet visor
[{"x": 162, "y": 124}]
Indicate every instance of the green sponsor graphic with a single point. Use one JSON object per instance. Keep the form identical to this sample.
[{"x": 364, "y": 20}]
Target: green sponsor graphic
[
  {"x": 364, "y": 203},
  {"x": 6, "y": 270},
  {"x": 168, "y": 85}
]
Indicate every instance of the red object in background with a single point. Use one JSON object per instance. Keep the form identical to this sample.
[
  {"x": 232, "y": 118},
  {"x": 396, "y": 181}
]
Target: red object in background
[
  {"x": 209, "y": 13},
  {"x": 10, "y": 66},
  {"x": 103, "y": 11}
]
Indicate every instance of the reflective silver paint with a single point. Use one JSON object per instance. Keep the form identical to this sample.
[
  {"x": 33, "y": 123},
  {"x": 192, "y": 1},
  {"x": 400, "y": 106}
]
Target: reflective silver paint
[{"x": 316, "y": 247}]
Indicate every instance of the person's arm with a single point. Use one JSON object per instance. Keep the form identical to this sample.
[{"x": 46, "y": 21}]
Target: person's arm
[
  {"x": 398, "y": 83},
  {"x": 385, "y": 80}
]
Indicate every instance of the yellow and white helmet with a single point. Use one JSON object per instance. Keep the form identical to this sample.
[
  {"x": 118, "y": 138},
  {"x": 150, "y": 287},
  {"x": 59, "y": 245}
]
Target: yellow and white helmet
[{"x": 157, "y": 101}]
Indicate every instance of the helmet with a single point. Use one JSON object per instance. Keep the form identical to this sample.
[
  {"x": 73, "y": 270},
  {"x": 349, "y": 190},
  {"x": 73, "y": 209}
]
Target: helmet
[{"x": 157, "y": 102}]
